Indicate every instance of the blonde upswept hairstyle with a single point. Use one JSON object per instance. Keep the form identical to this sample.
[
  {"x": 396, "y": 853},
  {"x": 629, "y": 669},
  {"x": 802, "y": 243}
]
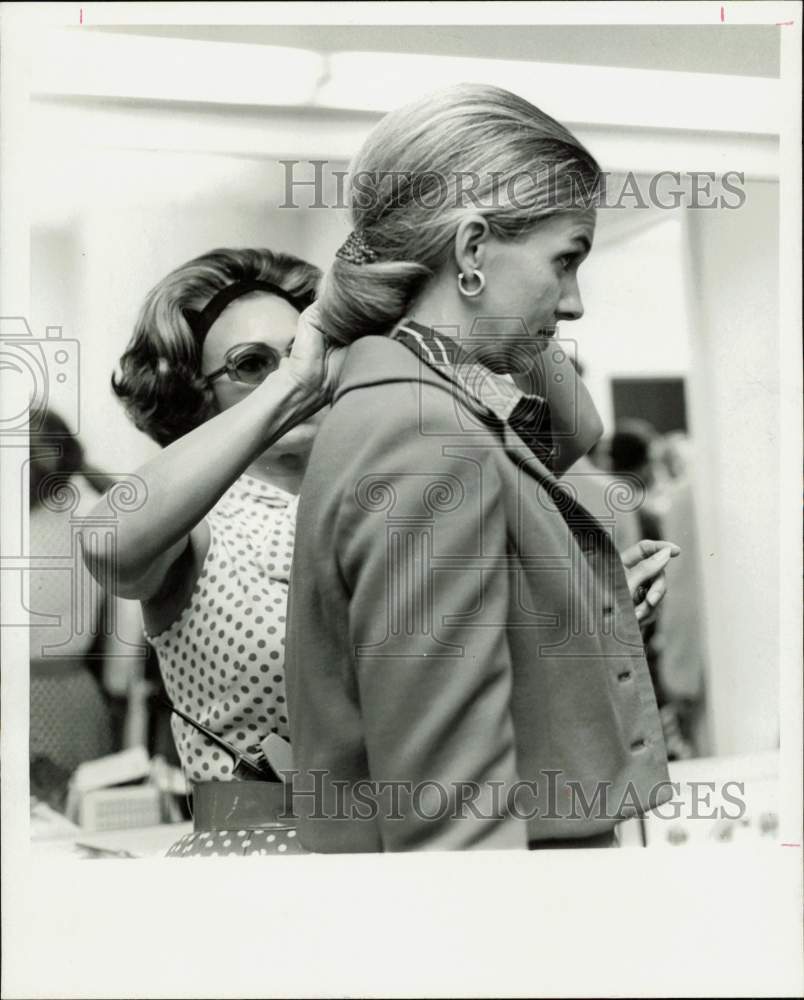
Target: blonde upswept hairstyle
[{"x": 525, "y": 163}]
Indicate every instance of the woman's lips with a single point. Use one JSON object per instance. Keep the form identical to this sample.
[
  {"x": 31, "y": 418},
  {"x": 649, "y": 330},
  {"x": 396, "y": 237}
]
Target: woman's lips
[{"x": 544, "y": 336}]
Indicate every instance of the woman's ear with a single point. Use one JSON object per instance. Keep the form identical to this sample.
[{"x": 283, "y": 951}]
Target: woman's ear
[{"x": 470, "y": 239}]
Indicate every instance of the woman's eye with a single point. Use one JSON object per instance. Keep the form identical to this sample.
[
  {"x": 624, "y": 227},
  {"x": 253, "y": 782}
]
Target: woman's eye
[
  {"x": 255, "y": 368},
  {"x": 566, "y": 260}
]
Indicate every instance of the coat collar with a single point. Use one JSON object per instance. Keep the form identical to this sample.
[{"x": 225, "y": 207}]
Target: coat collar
[
  {"x": 378, "y": 361},
  {"x": 381, "y": 361}
]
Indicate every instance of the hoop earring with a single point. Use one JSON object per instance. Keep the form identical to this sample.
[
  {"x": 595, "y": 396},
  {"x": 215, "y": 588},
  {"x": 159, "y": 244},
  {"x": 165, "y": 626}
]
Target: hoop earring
[{"x": 470, "y": 293}]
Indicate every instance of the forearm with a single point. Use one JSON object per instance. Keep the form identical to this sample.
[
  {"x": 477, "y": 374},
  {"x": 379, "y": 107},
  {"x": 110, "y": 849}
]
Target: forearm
[{"x": 184, "y": 481}]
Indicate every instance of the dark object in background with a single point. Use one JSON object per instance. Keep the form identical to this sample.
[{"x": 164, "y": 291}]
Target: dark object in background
[
  {"x": 160, "y": 732},
  {"x": 630, "y": 446},
  {"x": 49, "y": 782},
  {"x": 630, "y": 455},
  {"x": 70, "y": 718},
  {"x": 661, "y": 401}
]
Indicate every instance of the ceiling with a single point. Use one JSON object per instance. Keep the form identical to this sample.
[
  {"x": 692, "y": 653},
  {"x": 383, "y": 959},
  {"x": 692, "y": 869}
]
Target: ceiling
[{"x": 737, "y": 50}]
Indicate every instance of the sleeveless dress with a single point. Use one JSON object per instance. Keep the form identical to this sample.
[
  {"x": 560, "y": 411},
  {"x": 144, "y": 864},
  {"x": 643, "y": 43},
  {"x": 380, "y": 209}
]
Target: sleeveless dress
[{"x": 222, "y": 660}]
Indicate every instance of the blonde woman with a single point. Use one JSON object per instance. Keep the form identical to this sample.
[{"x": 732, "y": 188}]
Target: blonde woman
[{"x": 465, "y": 663}]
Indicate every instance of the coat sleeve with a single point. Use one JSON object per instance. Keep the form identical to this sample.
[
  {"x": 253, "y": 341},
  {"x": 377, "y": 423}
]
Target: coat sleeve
[{"x": 421, "y": 543}]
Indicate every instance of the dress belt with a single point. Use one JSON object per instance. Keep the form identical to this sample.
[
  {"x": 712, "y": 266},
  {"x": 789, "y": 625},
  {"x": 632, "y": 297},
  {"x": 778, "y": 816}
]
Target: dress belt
[
  {"x": 242, "y": 805},
  {"x": 607, "y": 839}
]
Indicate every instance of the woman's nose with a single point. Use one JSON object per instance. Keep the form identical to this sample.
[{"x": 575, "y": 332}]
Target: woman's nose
[{"x": 570, "y": 305}]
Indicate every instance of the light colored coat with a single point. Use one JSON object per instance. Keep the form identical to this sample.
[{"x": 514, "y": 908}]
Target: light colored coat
[{"x": 454, "y": 619}]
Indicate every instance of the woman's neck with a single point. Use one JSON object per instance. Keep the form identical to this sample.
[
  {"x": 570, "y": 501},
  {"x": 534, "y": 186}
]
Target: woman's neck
[{"x": 440, "y": 305}]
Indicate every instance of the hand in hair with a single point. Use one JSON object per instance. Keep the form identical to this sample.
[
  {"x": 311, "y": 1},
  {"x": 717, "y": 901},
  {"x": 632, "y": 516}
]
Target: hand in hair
[
  {"x": 314, "y": 362},
  {"x": 152, "y": 560}
]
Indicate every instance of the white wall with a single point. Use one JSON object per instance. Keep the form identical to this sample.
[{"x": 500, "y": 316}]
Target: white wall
[
  {"x": 635, "y": 323},
  {"x": 696, "y": 295},
  {"x": 734, "y": 267}
]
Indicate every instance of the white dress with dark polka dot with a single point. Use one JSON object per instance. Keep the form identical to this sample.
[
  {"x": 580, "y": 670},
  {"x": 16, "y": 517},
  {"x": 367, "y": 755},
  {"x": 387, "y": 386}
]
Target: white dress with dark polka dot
[{"x": 222, "y": 660}]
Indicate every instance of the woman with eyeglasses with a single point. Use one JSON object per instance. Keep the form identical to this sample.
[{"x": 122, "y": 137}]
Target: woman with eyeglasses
[{"x": 216, "y": 373}]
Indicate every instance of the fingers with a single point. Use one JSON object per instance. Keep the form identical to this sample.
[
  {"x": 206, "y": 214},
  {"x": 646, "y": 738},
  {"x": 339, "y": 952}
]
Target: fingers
[
  {"x": 332, "y": 367},
  {"x": 311, "y": 316},
  {"x": 314, "y": 359},
  {"x": 657, "y": 590},
  {"x": 647, "y": 603},
  {"x": 648, "y": 568},
  {"x": 309, "y": 341},
  {"x": 646, "y": 548}
]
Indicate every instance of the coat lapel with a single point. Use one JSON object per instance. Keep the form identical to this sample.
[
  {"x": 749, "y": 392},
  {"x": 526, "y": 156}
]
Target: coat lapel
[{"x": 380, "y": 360}]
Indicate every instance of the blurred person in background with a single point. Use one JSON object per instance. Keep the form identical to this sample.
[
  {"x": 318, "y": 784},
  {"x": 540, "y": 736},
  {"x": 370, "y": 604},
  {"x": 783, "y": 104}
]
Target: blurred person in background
[
  {"x": 634, "y": 452},
  {"x": 618, "y": 509},
  {"x": 679, "y": 628},
  {"x": 71, "y": 715},
  {"x": 220, "y": 373},
  {"x": 594, "y": 485},
  {"x": 630, "y": 455}
]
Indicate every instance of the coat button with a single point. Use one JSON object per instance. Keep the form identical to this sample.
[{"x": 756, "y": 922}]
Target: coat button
[{"x": 638, "y": 745}]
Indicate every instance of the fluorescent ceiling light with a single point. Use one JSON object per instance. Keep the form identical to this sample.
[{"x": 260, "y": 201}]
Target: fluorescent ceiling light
[
  {"x": 380, "y": 81},
  {"x": 94, "y": 64},
  {"x": 79, "y": 63}
]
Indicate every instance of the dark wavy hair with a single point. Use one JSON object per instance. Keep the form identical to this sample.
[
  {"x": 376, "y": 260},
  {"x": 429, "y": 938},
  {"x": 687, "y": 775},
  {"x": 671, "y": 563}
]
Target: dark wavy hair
[{"x": 160, "y": 383}]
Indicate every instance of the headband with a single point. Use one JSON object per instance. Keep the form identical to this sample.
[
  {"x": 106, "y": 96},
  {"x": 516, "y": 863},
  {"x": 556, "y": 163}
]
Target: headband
[{"x": 200, "y": 322}]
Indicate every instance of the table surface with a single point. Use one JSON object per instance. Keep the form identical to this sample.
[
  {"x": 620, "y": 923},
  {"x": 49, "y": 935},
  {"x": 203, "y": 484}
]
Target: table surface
[{"x": 52, "y": 834}]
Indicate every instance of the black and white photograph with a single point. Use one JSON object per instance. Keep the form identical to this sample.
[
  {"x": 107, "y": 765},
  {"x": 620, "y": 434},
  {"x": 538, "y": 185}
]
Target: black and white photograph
[{"x": 401, "y": 456}]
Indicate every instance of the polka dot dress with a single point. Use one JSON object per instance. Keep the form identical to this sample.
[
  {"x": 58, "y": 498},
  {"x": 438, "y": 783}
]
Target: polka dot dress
[
  {"x": 222, "y": 661},
  {"x": 222, "y": 843}
]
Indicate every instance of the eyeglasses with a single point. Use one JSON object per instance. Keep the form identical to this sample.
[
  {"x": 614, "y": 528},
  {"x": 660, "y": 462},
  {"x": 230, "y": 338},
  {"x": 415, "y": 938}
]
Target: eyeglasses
[{"x": 247, "y": 363}]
